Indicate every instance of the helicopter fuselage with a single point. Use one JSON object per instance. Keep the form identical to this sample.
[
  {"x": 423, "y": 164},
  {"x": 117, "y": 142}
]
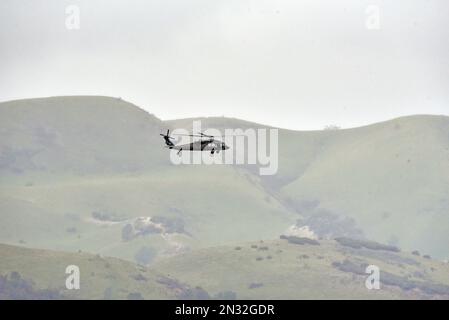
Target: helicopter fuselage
[{"x": 202, "y": 145}]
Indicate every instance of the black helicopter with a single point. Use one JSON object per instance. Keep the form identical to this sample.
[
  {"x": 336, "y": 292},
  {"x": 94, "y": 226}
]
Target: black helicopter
[{"x": 206, "y": 143}]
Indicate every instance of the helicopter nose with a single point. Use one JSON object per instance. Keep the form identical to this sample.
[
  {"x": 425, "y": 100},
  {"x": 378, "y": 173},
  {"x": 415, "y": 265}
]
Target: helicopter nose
[{"x": 225, "y": 147}]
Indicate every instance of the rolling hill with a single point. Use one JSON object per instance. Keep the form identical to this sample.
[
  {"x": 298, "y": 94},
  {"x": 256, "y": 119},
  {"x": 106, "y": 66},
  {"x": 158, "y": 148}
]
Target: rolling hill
[
  {"x": 287, "y": 269},
  {"x": 379, "y": 175},
  {"x": 90, "y": 173},
  {"x": 41, "y": 274},
  {"x": 77, "y": 136},
  {"x": 113, "y": 174},
  {"x": 384, "y": 175},
  {"x": 290, "y": 268}
]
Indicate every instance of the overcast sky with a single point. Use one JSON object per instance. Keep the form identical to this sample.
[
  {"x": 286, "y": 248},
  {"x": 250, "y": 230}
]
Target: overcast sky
[{"x": 292, "y": 64}]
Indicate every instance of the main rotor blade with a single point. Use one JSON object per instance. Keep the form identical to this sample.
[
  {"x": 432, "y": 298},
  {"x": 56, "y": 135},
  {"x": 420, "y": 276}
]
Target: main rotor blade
[
  {"x": 186, "y": 135},
  {"x": 222, "y": 135},
  {"x": 204, "y": 135}
]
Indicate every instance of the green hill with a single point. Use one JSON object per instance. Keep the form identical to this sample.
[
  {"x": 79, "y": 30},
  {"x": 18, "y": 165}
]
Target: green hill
[
  {"x": 77, "y": 136},
  {"x": 91, "y": 173},
  {"x": 110, "y": 170},
  {"x": 384, "y": 175},
  {"x": 41, "y": 274},
  {"x": 292, "y": 268},
  {"x": 91, "y": 214},
  {"x": 282, "y": 269},
  {"x": 379, "y": 175}
]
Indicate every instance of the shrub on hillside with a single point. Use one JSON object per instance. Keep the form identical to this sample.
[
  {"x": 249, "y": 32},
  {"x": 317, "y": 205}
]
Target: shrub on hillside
[
  {"x": 135, "y": 296},
  {"x": 127, "y": 232},
  {"x": 226, "y": 295},
  {"x": 357, "y": 244},
  {"x": 139, "y": 277},
  {"x": 71, "y": 230},
  {"x": 300, "y": 240},
  {"x": 13, "y": 286},
  {"x": 184, "y": 292},
  {"x": 391, "y": 279},
  {"x": 433, "y": 288},
  {"x": 255, "y": 285},
  {"x": 107, "y": 216},
  {"x": 349, "y": 266},
  {"x": 196, "y": 293},
  {"x": 145, "y": 255}
]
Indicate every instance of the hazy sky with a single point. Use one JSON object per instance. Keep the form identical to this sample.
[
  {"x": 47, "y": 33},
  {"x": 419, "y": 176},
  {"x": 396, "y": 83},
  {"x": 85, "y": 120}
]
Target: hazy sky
[{"x": 293, "y": 64}]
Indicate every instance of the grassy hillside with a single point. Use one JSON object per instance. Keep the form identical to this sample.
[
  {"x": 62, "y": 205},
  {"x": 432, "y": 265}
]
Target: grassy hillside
[
  {"x": 75, "y": 171},
  {"x": 32, "y": 273},
  {"x": 380, "y": 175},
  {"x": 63, "y": 215},
  {"x": 102, "y": 156},
  {"x": 76, "y": 136},
  {"x": 277, "y": 269},
  {"x": 383, "y": 175},
  {"x": 328, "y": 270}
]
